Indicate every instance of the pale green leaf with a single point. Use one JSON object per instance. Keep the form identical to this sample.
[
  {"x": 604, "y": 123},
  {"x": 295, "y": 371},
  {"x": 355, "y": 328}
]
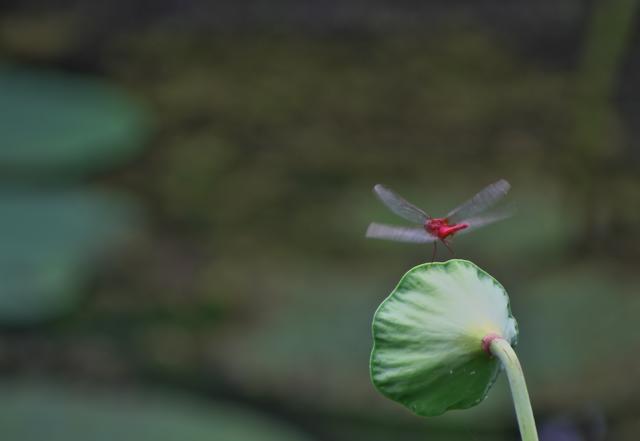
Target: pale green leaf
[{"x": 428, "y": 333}]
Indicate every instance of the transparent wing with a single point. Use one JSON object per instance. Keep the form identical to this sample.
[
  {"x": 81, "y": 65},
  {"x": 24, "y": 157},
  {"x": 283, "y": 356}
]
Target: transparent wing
[
  {"x": 400, "y": 234},
  {"x": 400, "y": 206},
  {"x": 486, "y": 198},
  {"x": 487, "y": 219}
]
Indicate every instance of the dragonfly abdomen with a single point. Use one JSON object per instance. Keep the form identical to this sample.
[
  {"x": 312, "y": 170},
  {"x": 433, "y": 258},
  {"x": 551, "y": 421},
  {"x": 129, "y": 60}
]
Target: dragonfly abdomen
[{"x": 450, "y": 230}]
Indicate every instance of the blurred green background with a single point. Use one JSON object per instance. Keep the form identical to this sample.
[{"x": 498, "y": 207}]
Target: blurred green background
[{"x": 185, "y": 186}]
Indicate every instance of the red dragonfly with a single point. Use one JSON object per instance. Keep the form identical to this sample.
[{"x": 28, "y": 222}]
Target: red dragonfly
[{"x": 468, "y": 216}]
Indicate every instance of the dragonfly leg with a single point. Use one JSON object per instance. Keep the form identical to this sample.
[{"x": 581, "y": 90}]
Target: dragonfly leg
[
  {"x": 435, "y": 250},
  {"x": 448, "y": 247}
]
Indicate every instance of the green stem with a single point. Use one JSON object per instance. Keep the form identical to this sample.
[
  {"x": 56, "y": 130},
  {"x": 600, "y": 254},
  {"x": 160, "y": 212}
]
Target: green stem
[{"x": 501, "y": 349}]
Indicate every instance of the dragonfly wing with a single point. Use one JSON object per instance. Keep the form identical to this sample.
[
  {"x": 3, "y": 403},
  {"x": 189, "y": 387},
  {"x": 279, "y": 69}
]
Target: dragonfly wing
[
  {"x": 400, "y": 234},
  {"x": 487, "y": 219},
  {"x": 400, "y": 206},
  {"x": 486, "y": 198}
]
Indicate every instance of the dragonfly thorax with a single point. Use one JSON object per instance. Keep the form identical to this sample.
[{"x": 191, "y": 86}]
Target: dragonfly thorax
[{"x": 440, "y": 227}]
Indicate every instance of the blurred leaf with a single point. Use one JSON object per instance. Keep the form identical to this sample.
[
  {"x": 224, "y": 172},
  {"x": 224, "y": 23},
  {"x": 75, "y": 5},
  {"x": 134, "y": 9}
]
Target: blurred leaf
[
  {"x": 49, "y": 243},
  {"x": 34, "y": 412},
  {"x": 51, "y": 122},
  {"x": 301, "y": 321},
  {"x": 581, "y": 324}
]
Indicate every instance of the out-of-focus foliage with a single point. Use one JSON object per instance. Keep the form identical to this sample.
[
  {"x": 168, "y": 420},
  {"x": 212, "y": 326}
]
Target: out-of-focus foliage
[
  {"x": 580, "y": 318},
  {"x": 56, "y": 126},
  {"x": 33, "y": 412},
  {"x": 51, "y": 242},
  {"x": 63, "y": 125}
]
